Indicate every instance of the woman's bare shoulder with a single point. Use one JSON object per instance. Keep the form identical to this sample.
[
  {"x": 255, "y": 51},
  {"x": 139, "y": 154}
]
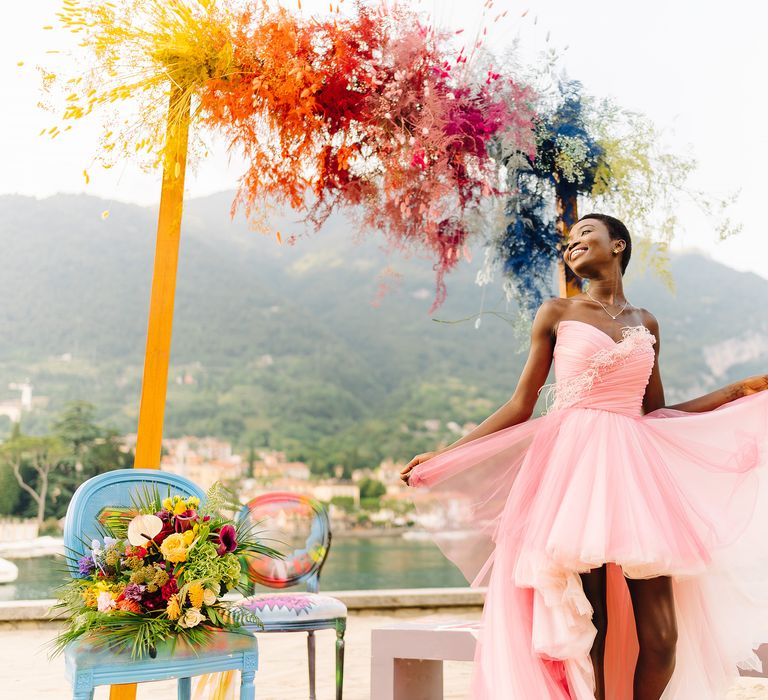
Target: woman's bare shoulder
[
  {"x": 649, "y": 320},
  {"x": 554, "y": 309},
  {"x": 549, "y": 315}
]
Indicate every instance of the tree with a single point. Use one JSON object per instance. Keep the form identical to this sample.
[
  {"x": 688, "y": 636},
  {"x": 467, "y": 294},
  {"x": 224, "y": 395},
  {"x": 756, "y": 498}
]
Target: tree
[
  {"x": 372, "y": 488},
  {"x": 90, "y": 450},
  {"x": 43, "y": 455},
  {"x": 9, "y": 490},
  {"x": 76, "y": 427}
]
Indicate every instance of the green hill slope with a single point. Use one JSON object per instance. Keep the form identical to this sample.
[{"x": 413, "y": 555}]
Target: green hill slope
[{"x": 291, "y": 346}]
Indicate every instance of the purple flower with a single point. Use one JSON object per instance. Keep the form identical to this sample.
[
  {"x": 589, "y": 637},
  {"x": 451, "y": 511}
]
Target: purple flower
[
  {"x": 134, "y": 591},
  {"x": 227, "y": 538},
  {"x": 85, "y": 566},
  {"x": 185, "y": 521}
]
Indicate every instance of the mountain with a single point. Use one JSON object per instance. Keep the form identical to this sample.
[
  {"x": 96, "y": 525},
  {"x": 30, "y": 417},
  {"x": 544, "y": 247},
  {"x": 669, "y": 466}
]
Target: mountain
[{"x": 294, "y": 346}]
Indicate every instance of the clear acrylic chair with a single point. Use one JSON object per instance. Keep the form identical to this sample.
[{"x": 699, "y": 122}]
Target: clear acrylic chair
[
  {"x": 86, "y": 667},
  {"x": 298, "y": 527}
]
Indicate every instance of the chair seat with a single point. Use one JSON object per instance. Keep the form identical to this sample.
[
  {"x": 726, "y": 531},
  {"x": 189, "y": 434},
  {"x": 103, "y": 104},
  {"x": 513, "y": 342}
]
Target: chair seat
[
  {"x": 279, "y": 608},
  {"x": 87, "y": 666}
]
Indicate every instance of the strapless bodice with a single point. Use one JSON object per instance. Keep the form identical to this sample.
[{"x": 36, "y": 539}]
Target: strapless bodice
[{"x": 592, "y": 370}]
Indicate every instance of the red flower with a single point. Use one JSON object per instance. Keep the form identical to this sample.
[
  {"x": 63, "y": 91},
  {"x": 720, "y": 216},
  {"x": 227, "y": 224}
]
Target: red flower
[
  {"x": 139, "y": 552},
  {"x": 169, "y": 589},
  {"x": 185, "y": 521},
  {"x": 167, "y": 528}
]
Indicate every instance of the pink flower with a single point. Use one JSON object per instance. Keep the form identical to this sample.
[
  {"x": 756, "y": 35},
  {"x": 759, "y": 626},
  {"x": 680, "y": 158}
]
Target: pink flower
[
  {"x": 105, "y": 602},
  {"x": 418, "y": 159}
]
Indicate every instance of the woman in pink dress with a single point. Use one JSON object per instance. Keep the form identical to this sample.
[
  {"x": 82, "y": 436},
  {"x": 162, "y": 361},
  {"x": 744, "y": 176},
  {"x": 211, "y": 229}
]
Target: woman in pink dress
[{"x": 622, "y": 540}]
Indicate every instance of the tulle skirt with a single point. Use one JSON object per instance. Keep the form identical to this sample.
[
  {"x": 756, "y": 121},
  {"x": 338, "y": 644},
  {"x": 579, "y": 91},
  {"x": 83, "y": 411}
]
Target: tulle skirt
[{"x": 676, "y": 494}]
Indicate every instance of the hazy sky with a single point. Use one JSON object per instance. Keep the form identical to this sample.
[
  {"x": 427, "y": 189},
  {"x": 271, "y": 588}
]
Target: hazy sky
[{"x": 696, "y": 68}]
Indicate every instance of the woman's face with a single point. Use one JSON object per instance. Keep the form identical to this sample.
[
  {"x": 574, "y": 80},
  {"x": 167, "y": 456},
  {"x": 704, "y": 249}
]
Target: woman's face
[{"x": 590, "y": 248}]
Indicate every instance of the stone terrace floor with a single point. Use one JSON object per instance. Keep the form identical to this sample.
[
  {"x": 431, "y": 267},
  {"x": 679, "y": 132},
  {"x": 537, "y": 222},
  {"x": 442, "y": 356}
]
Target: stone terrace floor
[{"x": 27, "y": 674}]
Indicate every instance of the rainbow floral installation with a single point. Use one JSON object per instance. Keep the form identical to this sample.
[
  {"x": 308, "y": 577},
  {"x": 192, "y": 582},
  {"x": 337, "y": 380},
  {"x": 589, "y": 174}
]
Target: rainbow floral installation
[
  {"x": 376, "y": 112},
  {"x": 157, "y": 574}
]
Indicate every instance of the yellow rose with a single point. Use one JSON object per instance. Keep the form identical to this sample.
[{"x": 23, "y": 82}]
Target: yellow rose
[
  {"x": 173, "y": 548},
  {"x": 173, "y": 609},
  {"x": 196, "y": 594},
  {"x": 209, "y": 597}
]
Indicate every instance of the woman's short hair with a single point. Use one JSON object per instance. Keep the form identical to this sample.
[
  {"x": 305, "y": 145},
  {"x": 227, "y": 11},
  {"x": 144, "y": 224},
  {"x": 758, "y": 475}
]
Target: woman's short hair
[{"x": 617, "y": 231}]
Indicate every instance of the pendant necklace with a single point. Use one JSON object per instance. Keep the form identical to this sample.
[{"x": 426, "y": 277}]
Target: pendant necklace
[{"x": 605, "y": 309}]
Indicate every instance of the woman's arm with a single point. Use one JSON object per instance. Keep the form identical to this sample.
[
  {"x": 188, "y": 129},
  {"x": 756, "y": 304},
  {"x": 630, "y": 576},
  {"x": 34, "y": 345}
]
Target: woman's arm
[
  {"x": 720, "y": 397},
  {"x": 654, "y": 393},
  {"x": 520, "y": 406}
]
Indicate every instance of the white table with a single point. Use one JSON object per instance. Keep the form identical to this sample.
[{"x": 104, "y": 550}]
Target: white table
[{"x": 407, "y": 659}]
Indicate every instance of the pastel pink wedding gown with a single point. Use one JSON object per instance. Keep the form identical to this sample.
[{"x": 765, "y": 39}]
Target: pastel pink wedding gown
[{"x": 592, "y": 481}]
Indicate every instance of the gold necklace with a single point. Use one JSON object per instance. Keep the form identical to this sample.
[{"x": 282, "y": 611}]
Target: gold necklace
[{"x": 606, "y": 310}]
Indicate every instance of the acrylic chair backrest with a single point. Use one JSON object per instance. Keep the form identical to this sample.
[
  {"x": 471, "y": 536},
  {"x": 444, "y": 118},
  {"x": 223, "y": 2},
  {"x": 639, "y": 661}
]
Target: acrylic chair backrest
[
  {"x": 113, "y": 490},
  {"x": 298, "y": 527}
]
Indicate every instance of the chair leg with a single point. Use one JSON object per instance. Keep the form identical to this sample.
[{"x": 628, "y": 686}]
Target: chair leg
[
  {"x": 82, "y": 686},
  {"x": 247, "y": 686},
  {"x": 341, "y": 626},
  {"x": 184, "y": 689},
  {"x": 311, "y": 659}
]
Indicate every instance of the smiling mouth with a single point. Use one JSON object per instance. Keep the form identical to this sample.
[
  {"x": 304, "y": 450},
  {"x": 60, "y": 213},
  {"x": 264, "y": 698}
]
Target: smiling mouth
[{"x": 577, "y": 252}]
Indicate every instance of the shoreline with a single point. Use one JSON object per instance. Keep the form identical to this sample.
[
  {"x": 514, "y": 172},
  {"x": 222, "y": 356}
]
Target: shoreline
[{"x": 48, "y": 546}]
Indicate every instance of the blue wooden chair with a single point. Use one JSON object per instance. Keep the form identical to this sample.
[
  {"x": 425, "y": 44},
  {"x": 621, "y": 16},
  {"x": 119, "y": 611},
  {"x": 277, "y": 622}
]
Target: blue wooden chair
[
  {"x": 300, "y": 530},
  {"x": 87, "y": 668}
]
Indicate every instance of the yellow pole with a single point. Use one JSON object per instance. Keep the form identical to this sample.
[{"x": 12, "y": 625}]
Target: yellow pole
[
  {"x": 567, "y": 214},
  {"x": 155, "y": 382},
  {"x": 158, "y": 351}
]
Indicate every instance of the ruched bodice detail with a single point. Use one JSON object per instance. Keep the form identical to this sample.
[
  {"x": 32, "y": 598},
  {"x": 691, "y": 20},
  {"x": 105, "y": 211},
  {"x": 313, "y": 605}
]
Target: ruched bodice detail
[{"x": 594, "y": 371}]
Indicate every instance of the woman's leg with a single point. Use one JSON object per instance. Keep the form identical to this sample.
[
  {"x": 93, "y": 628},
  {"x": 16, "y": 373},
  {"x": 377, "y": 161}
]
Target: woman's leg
[
  {"x": 593, "y": 583},
  {"x": 656, "y": 625}
]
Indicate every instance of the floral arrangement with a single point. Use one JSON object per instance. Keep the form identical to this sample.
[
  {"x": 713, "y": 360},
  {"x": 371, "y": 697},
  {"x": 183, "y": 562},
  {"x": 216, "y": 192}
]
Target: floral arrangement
[
  {"x": 158, "y": 573},
  {"x": 374, "y": 111}
]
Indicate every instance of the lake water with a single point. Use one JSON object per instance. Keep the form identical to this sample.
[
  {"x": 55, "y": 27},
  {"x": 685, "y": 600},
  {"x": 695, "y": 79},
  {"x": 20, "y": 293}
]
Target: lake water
[{"x": 354, "y": 563}]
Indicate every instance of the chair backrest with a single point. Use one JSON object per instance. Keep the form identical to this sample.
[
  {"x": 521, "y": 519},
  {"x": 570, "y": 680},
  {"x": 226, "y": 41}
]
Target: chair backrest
[
  {"x": 298, "y": 527},
  {"x": 110, "y": 490}
]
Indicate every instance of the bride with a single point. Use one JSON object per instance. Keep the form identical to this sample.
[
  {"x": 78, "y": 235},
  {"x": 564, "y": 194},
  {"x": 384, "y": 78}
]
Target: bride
[{"x": 620, "y": 536}]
